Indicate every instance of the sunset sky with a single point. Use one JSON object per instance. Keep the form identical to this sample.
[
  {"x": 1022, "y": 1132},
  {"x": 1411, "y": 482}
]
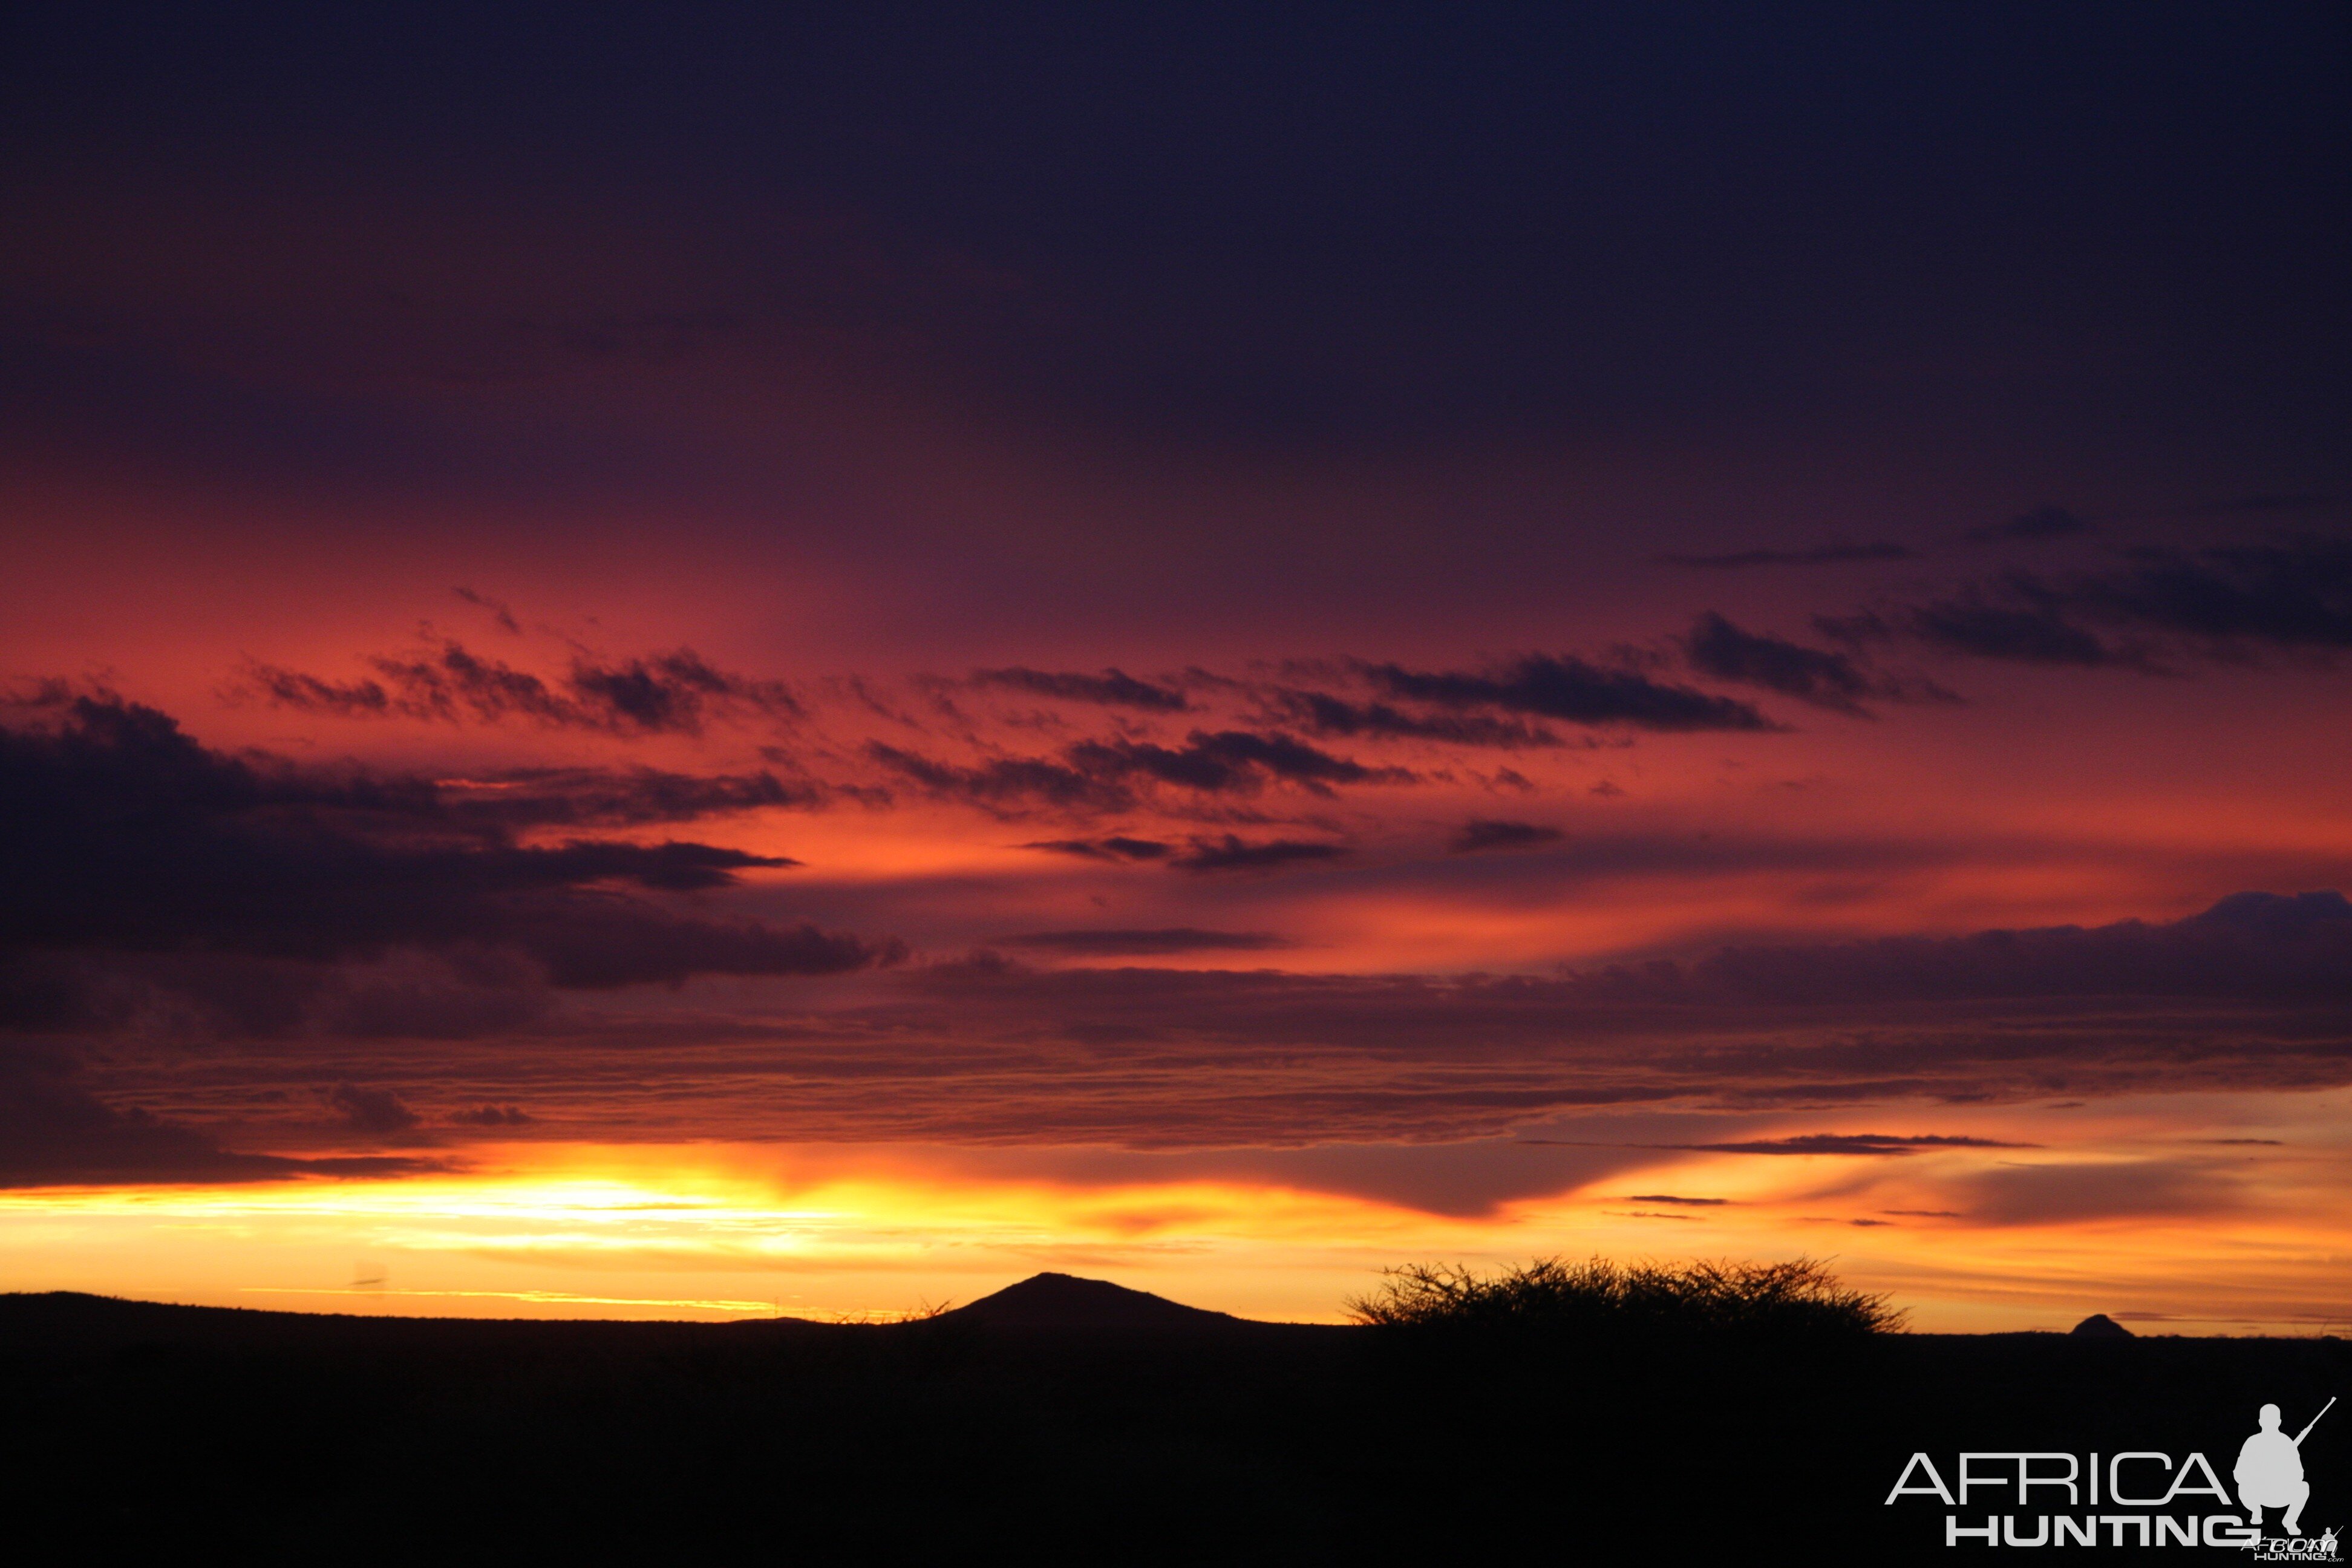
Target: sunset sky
[{"x": 700, "y": 665}]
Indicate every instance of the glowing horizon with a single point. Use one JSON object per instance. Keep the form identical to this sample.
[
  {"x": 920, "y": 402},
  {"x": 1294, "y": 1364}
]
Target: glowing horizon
[{"x": 881, "y": 1232}]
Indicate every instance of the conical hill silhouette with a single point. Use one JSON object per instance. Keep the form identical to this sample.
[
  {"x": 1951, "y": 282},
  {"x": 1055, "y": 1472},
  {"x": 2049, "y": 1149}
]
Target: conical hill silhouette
[{"x": 1067, "y": 1301}]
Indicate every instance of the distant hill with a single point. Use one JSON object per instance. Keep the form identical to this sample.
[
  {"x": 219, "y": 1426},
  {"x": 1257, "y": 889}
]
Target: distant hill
[
  {"x": 1067, "y": 1301},
  {"x": 1046, "y": 1301}
]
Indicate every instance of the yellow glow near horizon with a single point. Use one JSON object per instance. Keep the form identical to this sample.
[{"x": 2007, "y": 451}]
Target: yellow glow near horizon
[
  {"x": 718, "y": 1230},
  {"x": 853, "y": 1243}
]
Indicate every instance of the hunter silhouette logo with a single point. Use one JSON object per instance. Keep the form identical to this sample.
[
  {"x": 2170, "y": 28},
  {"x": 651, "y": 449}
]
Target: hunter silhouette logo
[
  {"x": 2139, "y": 1497},
  {"x": 2270, "y": 1472}
]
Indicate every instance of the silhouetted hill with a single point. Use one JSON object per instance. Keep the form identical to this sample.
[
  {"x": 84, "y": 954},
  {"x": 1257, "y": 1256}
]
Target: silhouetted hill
[
  {"x": 1043, "y": 1302},
  {"x": 1067, "y": 1301}
]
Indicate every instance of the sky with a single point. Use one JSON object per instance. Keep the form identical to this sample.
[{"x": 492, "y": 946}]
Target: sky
[{"x": 707, "y": 664}]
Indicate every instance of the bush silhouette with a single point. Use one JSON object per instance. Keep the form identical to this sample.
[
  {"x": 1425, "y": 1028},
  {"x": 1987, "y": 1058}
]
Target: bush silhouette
[{"x": 1800, "y": 1299}]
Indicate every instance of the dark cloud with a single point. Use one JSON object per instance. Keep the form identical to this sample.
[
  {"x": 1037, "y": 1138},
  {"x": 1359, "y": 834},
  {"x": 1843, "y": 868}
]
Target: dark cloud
[
  {"x": 55, "y": 1133},
  {"x": 1471, "y": 1178},
  {"x": 2029, "y": 629},
  {"x": 2228, "y": 602},
  {"x": 1233, "y": 854},
  {"x": 2296, "y": 595},
  {"x": 2031, "y": 634},
  {"x": 676, "y": 692},
  {"x": 610, "y": 944},
  {"x": 1111, "y": 688},
  {"x": 1110, "y": 848},
  {"x": 1329, "y": 715},
  {"x": 1005, "y": 784},
  {"x": 2250, "y": 945},
  {"x": 56, "y": 993},
  {"x": 1479, "y": 834},
  {"x": 501, "y": 614},
  {"x": 1102, "y": 775},
  {"x": 1816, "y": 556},
  {"x": 2255, "y": 949},
  {"x": 2042, "y": 522},
  {"x": 2288, "y": 921},
  {"x": 1571, "y": 689},
  {"x": 198, "y": 994},
  {"x": 1671, "y": 1199},
  {"x": 2255, "y": 995},
  {"x": 492, "y": 1116},
  {"x": 124, "y": 835},
  {"x": 615, "y": 797},
  {"x": 374, "y": 1112},
  {"x": 1927, "y": 1011},
  {"x": 1853, "y": 1143},
  {"x": 671, "y": 691},
  {"x": 470, "y": 996},
  {"x": 1175, "y": 938},
  {"x": 1836, "y": 680},
  {"x": 1228, "y": 762}
]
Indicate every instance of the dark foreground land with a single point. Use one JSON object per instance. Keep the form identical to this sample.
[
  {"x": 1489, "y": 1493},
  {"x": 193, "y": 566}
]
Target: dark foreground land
[{"x": 1065, "y": 1427}]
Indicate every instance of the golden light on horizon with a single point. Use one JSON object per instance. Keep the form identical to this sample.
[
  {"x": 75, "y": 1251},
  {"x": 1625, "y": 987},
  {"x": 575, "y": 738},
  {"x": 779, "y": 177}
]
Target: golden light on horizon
[{"x": 868, "y": 1232}]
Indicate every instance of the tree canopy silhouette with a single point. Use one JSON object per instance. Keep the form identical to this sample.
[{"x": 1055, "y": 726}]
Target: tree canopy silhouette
[{"x": 1801, "y": 1299}]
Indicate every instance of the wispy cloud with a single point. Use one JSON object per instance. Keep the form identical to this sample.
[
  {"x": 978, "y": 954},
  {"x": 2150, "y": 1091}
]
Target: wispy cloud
[
  {"x": 1571, "y": 689},
  {"x": 674, "y": 692},
  {"x": 1111, "y": 688}
]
